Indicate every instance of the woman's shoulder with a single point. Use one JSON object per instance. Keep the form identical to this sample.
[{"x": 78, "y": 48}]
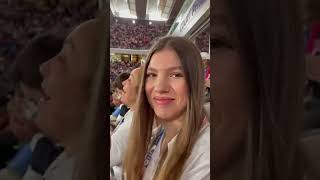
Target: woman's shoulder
[
  {"x": 202, "y": 145},
  {"x": 198, "y": 163},
  {"x": 201, "y": 149}
]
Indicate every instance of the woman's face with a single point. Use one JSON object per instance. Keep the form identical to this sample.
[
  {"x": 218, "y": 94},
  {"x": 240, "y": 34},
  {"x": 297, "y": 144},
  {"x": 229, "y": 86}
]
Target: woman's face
[
  {"x": 230, "y": 80},
  {"x": 130, "y": 88},
  {"x": 66, "y": 86},
  {"x": 231, "y": 87},
  {"x": 166, "y": 86}
]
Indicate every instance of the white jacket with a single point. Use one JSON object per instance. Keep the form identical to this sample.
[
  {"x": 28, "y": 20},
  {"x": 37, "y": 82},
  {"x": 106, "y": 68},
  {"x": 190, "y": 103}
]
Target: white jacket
[
  {"x": 119, "y": 140},
  {"x": 197, "y": 166}
]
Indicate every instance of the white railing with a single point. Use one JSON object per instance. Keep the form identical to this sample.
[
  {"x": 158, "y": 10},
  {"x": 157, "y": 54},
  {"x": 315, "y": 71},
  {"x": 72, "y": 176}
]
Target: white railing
[{"x": 129, "y": 51}]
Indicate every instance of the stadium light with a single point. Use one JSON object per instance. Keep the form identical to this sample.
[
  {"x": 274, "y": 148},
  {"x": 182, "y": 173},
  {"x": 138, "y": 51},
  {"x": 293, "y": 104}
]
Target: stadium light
[
  {"x": 133, "y": 21},
  {"x": 150, "y": 22}
]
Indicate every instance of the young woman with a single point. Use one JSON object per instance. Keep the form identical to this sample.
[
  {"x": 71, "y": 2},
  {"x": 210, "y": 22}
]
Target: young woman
[
  {"x": 258, "y": 89},
  {"x": 72, "y": 111},
  {"x": 171, "y": 92},
  {"x": 129, "y": 96},
  {"x": 120, "y": 137}
]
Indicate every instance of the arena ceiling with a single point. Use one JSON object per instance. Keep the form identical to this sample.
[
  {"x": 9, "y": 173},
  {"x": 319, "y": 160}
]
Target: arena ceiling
[{"x": 155, "y": 10}]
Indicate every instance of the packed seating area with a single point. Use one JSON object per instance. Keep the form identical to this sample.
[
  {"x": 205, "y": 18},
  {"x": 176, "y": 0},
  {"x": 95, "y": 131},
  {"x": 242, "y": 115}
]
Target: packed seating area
[
  {"x": 135, "y": 36},
  {"x": 202, "y": 41},
  {"x": 142, "y": 35},
  {"x": 118, "y": 67},
  {"x": 21, "y": 21}
]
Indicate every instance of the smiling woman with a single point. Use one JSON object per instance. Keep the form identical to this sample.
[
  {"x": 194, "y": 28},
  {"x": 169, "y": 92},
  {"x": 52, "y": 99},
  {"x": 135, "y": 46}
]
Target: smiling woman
[
  {"x": 169, "y": 99},
  {"x": 171, "y": 92}
]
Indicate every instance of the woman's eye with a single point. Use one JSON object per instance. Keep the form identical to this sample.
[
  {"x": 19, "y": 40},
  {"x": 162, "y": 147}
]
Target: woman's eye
[
  {"x": 151, "y": 75},
  {"x": 176, "y": 75}
]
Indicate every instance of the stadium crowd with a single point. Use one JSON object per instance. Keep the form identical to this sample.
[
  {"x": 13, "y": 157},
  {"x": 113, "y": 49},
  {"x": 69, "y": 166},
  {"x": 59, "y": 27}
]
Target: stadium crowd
[
  {"x": 21, "y": 22},
  {"x": 135, "y": 36},
  {"x": 118, "y": 67},
  {"x": 142, "y": 35},
  {"x": 202, "y": 41}
]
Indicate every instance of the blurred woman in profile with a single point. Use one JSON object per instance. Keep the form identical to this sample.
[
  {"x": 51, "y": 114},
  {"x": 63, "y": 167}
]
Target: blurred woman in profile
[
  {"x": 72, "y": 110},
  {"x": 258, "y": 89},
  {"x": 23, "y": 106},
  {"x": 120, "y": 136},
  {"x": 171, "y": 92}
]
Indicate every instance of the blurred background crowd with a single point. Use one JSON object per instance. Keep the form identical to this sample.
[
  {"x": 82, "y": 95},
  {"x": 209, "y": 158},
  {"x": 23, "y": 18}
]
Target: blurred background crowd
[{"x": 21, "y": 20}]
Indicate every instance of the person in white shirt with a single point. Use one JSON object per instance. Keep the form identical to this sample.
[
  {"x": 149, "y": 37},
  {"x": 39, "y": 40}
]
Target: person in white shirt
[
  {"x": 119, "y": 138},
  {"x": 118, "y": 86},
  {"x": 171, "y": 92},
  {"x": 129, "y": 95}
]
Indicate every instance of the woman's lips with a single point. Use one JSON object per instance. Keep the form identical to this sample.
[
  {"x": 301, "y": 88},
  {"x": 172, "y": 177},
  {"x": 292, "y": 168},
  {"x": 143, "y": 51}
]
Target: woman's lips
[{"x": 162, "y": 101}]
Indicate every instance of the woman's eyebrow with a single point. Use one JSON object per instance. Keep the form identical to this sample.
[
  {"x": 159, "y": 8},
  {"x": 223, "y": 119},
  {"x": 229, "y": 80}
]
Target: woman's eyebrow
[{"x": 169, "y": 69}]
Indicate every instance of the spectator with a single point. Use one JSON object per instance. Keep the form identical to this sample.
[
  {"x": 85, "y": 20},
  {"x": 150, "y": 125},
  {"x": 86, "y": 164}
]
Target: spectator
[
  {"x": 202, "y": 41},
  {"x": 120, "y": 137},
  {"x": 23, "y": 106},
  {"x": 121, "y": 109},
  {"x": 68, "y": 81},
  {"x": 171, "y": 93}
]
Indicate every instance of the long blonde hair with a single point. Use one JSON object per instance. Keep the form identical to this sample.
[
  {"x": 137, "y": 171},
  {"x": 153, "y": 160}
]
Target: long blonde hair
[{"x": 141, "y": 130}]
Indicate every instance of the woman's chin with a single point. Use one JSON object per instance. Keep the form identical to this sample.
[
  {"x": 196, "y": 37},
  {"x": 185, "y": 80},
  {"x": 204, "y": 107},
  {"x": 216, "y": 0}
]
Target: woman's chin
[{"x": 164, "y": 117}]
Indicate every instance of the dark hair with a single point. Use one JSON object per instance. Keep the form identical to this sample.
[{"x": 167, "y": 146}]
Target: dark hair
[
  {"x": 271, "y": 41},
  {"x": 118, "y": 81},
  {"x": 26, "y": 68}
]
